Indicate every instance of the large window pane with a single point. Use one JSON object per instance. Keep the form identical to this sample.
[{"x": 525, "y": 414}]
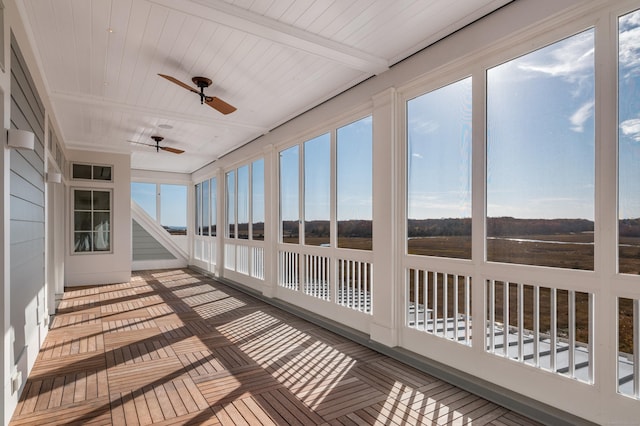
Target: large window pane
[
  {"x": 144, "y": 194},
  {"x": 173, "y": 208},
  {"x": 206, "y": 218},
  {"x": 317, "y": 190},
  {"x": 214, "y": 206},
  {"x": 198, "y": 209},
  {"x": 540, "y": 156},
  {"x": 257, "y": 199},
  {"x": 354, "y": 184},
  {"x": 231, "y": 205},
  {"x": 629, "y": 143},
  {"x": 439, "y": 172},
  {"x": 243, "y": 202},
  {"x": 289, "y": 195}
]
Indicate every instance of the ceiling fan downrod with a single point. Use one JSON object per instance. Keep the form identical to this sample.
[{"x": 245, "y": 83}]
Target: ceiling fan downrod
[{"x": 202, "y": 82}]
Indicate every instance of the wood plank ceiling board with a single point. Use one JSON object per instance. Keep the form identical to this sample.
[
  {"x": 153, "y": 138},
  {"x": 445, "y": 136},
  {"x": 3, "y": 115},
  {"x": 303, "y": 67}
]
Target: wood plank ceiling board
[{"x": 272, "y": 60}]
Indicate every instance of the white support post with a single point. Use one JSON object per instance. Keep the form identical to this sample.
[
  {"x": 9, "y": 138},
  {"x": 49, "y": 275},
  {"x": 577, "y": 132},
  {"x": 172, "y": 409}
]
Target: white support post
[
  {"x": 384, "y": 327},
  {"x": 271, "y": 223}
]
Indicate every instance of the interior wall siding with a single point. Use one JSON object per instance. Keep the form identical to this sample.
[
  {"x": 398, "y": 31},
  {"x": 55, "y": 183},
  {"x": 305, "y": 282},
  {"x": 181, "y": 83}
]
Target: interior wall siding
[
  {"x": 145, "y": 247},
  {"x": 27, "y": 217}
]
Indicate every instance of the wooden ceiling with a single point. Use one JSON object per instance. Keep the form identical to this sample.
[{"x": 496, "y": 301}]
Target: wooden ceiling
[{"x": 271, "y": 59}]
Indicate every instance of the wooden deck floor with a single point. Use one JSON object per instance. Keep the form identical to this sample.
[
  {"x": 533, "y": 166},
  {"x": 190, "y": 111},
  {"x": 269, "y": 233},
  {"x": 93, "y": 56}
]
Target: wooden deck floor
[{"x": 175, "y": 347}]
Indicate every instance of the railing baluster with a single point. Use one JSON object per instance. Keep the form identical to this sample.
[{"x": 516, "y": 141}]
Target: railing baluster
[
  {"x": 520, "y": 311},
  {"x": 572, "y": 333},
  {"x": 553, "y": 329},
  {"x": 636, "y": 348},
  {"x": 492, "y": 315},
  {"x": 467, "y": 309},
  {"x": 536, "y": 326},
  {"x": 455, "y": 307},
  {"x": 445, "y": 303},
  {"x": 505, "y": 318}
]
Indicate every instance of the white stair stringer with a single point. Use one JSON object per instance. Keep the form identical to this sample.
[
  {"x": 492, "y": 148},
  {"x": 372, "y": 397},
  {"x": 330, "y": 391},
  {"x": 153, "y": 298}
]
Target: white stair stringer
[{"x": 161, "y": 236}]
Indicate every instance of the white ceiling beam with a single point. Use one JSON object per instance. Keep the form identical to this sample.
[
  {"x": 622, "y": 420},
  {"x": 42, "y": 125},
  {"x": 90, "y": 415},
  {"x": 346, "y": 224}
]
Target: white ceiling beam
[
  {"x": 240, "y": 19},
  {"x": 154, "y": 112}
]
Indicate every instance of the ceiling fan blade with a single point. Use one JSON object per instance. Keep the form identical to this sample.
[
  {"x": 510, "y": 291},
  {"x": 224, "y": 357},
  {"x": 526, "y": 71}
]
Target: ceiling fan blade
[
  {"x": 169, "y": 149},
  {"x": 179, "y": 83},
  {"x": 142, "y": 143},
  {"x": 219, "y": 104}
]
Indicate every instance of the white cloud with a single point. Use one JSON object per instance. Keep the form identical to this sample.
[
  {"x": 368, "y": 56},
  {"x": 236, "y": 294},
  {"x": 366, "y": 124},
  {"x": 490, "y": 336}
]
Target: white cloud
[
  {"x": 631, "y": 128},
  {"x": 424, "y": 127},
  {"x": 581, "y": 116},
  {"x": 416, "y": 155},
  {"x": 571, "y": 59},
  {"x": 629, "y": 41}
]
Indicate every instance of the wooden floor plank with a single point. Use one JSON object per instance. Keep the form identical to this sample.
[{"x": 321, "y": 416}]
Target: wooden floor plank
[{"x": 175, "y": 347}]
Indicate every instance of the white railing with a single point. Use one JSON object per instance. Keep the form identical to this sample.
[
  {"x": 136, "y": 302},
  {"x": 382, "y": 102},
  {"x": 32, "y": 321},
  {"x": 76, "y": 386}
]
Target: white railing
[
  {"x": 316, "y": 276},
  {"x": 355, "y": 284},
  {"x": 257, "y": 262},
  {"x": 245, "y": 257},
  {"x": 628, "y": 327},
  {"x": 544, "y": 327},
  {"x": 288, "y": 269},
  {"x": 439, "y": 303},
  {"x": 343, "y": 276}
]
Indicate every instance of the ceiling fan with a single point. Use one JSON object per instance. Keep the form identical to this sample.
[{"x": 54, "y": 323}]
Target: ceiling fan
[
  {"x": 157, "y": 146},
  {"x": 202, "y": 82}
]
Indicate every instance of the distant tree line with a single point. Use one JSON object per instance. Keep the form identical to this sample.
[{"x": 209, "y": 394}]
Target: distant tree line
[
  {"x": 629, "y": 227},
  {"x": 496, "y": 226}
]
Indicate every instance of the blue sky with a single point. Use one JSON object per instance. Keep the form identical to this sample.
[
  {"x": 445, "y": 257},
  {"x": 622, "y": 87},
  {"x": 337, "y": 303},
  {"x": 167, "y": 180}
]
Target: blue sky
[
  {"x": 353, "y": 169},
  {"x": 629, "y": 116},
  {"x": 173, "y": 205},
  {"x": 540, "y": 146},
  {"x": 540, "y": 133}
]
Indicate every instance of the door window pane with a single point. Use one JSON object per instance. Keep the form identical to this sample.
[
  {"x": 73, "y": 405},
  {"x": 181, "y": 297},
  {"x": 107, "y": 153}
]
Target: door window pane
[
  {"x": 289, "y": 195},
  {"x": 257, "y": 200},
  {"x": 540, "y": 156},
  {"x": 439, "y": 172},
  {"x": 354, "y": 184},
  {"x": 629, "y": 143},
  {"x": 205, "y": 208},
  {"x": 317, "y": 190}
]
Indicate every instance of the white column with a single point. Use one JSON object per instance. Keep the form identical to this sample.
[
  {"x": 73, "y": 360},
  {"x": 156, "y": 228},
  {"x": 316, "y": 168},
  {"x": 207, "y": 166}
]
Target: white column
[
  {"x": 385, "y": 221},
  {"x": 221, "y": 222},
  {"x": 271, "y": 222}
]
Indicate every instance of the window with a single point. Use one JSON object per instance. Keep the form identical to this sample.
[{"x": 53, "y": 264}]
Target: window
[
  {"x": 206, "y": 217},
  {"x": 214, "y": 205},
  {"x": 89, "y": 172},
  {"x": 353, "y": 165},
  {"x": 289, "y": 195},
  {"x": 231, "y": 204},
  {"x": 198, "y": 209},
  {"x": 144, "y": 194},
  {"x": 317, "y": 190},
  {"x": 541, "y": 157},
  {"x": 173, "y": 208},
  {"x": 91, "y": 221},
  {"x": 439, "y": 172},
  {"x": 629, "y": 143},
  {"x": 354, "y": 184},
  {"x": 164, "y": 203},
  {"x": 243, "y": 202},
  {"x": 257, "y": 200}
]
